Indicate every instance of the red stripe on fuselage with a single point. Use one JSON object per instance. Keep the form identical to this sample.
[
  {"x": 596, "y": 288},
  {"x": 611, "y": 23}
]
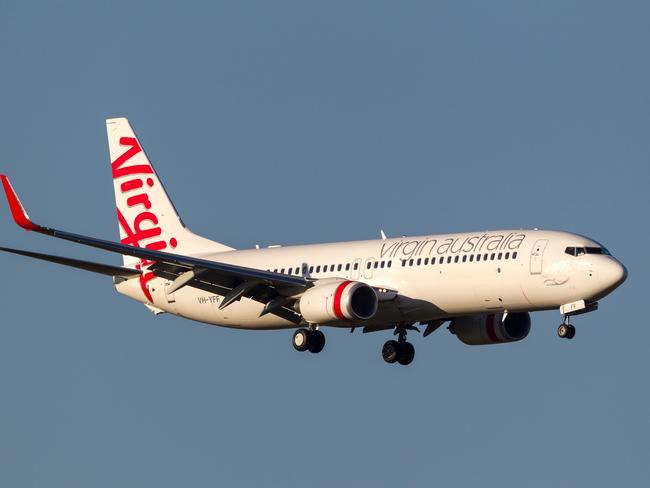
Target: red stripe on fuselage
[{"x": 337, "y": 300}]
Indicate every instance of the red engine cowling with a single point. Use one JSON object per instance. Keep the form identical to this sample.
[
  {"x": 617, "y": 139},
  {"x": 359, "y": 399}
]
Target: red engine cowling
[
  {"x": 477, "y": 330},
  {"x": 340, "y": 300}
]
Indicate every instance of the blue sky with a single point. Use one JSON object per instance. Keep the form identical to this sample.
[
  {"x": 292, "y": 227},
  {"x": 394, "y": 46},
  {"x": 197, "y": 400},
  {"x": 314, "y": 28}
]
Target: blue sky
[{"x": 295, "y": 122}]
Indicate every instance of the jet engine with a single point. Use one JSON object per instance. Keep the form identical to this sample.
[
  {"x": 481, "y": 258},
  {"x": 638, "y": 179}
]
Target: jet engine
[
  {"x": 476, "y": 330},
  {"x": 338, "y": 300}
]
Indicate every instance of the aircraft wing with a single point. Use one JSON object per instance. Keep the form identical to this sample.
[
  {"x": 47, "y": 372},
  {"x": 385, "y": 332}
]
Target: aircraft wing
[{"x": 226, "y": 279}]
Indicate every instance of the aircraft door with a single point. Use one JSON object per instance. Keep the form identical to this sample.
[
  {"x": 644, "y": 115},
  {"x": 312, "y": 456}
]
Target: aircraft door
[{"x": 537, "y": 256}]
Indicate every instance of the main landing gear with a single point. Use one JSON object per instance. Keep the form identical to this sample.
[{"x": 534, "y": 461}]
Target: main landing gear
[
  {"x": 399, "y": 351},
  {"x": 312, "y": 340},
  {"x": 566, "y": 330}
]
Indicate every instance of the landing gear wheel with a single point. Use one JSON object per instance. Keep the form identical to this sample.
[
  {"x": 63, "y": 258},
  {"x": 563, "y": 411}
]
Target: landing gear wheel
[
  {"x": 316, "y": 341},
  {"x": 301, "y": 340},
  {"x": 406, "y": 353},
  {"x": 566, "y": 331},
  {"x": 572, "y": 332},
  {"x": 390, "y": 351}
]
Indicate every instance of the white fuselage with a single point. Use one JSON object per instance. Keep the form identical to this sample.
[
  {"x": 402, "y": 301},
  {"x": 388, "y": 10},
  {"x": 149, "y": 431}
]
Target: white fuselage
[{"x": 436, "y": 277}]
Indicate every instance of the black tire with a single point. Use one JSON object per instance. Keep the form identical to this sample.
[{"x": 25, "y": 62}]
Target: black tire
[
  {"x": 406, "y": 354},
  {"x": 301, "y": 339},
  {"x": 390, "y": 351},
  {"x": 572, "y": 332},
  {"x": 563, "y": 330},
  {"x": 316, "y": 341}
]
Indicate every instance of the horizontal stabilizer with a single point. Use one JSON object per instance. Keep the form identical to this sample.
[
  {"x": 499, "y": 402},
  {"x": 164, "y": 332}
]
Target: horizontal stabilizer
[{"x": 105, "y": 269}]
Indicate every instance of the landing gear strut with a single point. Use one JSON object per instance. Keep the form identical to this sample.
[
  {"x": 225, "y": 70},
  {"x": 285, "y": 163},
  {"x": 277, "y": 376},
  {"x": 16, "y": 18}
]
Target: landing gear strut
[
  {"x": 312, "y": 340},
  {"x": 566, "y": 330},
  {"x": 399, "y": 351}
]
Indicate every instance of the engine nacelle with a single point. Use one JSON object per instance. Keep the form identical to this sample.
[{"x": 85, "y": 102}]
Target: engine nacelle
[
  {"x": 339, "y": 300},
  {"x": 477, "y": 330}
]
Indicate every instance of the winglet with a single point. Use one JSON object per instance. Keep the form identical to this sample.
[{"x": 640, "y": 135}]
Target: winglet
[{"x": 17, "y": 210}]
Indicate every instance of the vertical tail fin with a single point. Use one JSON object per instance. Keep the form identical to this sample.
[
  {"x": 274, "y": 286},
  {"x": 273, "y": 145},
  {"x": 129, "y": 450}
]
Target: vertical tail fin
[{"x": 146, "y": 215}]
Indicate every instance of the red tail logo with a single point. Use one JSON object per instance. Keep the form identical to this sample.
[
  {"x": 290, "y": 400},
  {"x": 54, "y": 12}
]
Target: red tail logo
[{"x": 145, "y": 224}]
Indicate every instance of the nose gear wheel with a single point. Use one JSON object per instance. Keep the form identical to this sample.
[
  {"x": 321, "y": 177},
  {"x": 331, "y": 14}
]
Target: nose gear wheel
[{"x": 566, "y": 330}]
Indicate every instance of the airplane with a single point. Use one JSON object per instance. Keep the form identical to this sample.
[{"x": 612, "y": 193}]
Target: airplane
[{"x": 485, "y": 284}]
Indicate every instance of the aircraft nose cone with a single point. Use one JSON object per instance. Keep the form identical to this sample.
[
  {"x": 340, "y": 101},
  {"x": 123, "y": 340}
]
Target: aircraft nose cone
[{"x": 613, "y": 275}]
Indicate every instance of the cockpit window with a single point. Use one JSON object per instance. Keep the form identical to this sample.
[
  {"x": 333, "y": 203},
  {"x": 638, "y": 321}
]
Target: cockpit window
[
  {"x": 579, "y": 251},
  {"x": 573, "y": 251},
  {"x": 597, "y": 250}
]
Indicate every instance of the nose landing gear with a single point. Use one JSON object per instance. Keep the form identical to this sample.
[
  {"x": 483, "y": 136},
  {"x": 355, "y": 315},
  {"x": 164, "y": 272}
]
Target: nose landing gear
[
  {"x": 399, "y": 351},
  {"x": 568, "y": 310}
]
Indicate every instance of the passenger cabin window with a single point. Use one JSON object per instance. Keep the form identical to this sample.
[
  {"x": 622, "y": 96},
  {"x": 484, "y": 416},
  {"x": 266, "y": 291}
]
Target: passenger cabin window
[
  {"x": 356, "y": 266},
  {"x": 347, "y": 267}
]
